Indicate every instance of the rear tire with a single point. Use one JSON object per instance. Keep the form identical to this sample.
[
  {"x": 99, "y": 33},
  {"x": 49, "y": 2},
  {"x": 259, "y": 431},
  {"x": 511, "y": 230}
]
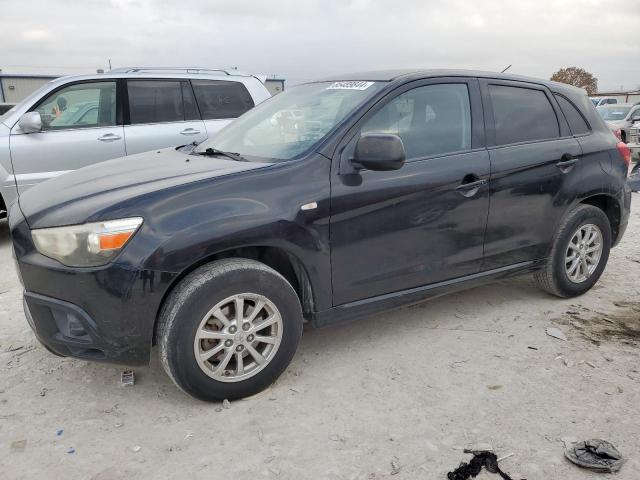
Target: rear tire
[
  {"x": 579, "y": 254},
  {"x": 229, "y": 329}
]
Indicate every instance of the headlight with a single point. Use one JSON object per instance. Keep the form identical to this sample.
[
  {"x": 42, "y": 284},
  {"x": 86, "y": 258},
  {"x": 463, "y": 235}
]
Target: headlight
[{"x": 88, "y": 245}]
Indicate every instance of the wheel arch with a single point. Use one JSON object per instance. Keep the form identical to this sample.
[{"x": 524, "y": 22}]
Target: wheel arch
[
  {"x": 282, "y": 261},
  {"x": 611, "y": 207}
]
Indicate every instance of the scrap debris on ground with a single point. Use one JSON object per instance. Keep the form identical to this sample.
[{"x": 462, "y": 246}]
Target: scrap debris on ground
[
  {"x": 598, "y": 455},
  {"x": 127, "y": 378},
  {"x": 481, "y": 458}
]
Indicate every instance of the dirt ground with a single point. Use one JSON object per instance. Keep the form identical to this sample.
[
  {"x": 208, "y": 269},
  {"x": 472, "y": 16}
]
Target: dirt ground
[{"x": 395, "y": 396}]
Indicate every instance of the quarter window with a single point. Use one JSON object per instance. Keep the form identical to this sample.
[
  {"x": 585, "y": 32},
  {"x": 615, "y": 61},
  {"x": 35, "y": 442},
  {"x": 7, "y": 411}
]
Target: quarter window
[
  {"x": 221, "y": 99},
  {"x": 430, "y": 120},
  {"x": 83, "y": 105},
  {"x": 155, "y": 101},
  {"x": 577, "y": 123},
  {"x": 522, "y": 115}
]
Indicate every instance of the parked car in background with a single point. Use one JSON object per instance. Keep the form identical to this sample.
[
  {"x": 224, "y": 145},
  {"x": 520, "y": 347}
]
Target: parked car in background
[
  {"x": 599, "y": 101},
  {"x": 620, "y": 118},
  {"x": 334, "y": 200},
  {"x": 634, "y": 142},
  {"x": 5, "y": 107},
  {"x": 75, "y": 121}
]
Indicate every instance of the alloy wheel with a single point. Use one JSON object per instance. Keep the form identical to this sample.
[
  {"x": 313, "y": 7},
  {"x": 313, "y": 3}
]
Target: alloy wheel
[
  {"x": 583, "y": 253},
  {"x": 238, "y": 337}
]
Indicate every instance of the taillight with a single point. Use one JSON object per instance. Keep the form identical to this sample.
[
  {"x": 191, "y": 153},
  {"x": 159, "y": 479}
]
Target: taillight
[{"x": 625, "y": 152}]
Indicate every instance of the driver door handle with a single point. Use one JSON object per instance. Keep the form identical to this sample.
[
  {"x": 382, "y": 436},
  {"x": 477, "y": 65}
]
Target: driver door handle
[
  {"x": 189, "y": 131},
  {"x": 470, "y": 185},
  {"x": 109, "y": 137}
]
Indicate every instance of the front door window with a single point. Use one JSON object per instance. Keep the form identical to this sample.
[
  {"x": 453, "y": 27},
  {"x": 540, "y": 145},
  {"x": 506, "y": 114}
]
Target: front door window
[{"x": 84, "y": 105}]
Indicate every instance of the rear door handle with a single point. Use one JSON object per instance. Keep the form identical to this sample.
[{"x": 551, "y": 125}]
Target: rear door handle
[
  {"x": 189, "y": 131},
  {"x": 109, "y": 137},
  {"x": 567, "y": 162}
]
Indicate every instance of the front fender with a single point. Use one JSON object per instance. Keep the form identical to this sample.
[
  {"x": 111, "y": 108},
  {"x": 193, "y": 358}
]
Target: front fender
[{"x": 260, "y": 209}]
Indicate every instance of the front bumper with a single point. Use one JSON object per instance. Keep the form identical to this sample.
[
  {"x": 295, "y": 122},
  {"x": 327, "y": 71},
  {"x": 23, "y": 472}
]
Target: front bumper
[
  {"x": 102, "y": 314},
  {"x": 67, "y": 330}
]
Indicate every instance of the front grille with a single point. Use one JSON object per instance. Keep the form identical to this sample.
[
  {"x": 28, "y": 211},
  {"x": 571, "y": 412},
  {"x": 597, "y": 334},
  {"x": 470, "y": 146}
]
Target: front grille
[{"x": 634, "y": 135}]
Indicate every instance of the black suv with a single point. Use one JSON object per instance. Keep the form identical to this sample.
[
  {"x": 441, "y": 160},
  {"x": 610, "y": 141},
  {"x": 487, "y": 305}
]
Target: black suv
[{"x": 331, "y": 201}]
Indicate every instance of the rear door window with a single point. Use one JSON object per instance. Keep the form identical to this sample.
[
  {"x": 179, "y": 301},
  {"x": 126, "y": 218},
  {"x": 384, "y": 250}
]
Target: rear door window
[
  {"x": 577, "y": 123},
  {"x": 221, "y": 99},
  {"x": 522, "y": 115},
  {"x": 155, "y": 101}
]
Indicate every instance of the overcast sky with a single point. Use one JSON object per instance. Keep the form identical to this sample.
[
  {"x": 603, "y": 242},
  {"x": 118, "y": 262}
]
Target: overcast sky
[{"x": 305, "y": 39}]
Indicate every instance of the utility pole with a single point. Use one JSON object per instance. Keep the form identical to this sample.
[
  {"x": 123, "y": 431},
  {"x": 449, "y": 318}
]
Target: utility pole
[{"x": 109, "y": 64}]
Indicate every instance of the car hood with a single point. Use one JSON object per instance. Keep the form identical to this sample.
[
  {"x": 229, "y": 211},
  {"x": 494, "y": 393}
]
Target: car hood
[{"x": 86, "y": 194}]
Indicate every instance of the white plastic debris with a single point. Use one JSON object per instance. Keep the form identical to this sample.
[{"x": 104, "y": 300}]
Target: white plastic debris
[{"x": 556, "y": 333}]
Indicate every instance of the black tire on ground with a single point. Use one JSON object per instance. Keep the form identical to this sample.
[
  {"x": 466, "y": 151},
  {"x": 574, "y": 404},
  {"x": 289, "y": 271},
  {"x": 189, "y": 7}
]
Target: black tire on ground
[
  {"x": 553, "y": 277},
  {"x": 196, "y": 295}
]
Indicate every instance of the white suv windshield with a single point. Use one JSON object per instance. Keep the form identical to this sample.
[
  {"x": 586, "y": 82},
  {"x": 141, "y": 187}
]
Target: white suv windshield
[{"x": 289, "y": 124}]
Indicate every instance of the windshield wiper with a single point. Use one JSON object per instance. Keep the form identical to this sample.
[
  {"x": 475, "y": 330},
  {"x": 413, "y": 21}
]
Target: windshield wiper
[{"x": 233, "y": 156}]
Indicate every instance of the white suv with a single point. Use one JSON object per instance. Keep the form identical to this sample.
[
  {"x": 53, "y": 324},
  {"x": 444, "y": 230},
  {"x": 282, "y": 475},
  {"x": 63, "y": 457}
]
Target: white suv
[{"x": 72, "y": 122}]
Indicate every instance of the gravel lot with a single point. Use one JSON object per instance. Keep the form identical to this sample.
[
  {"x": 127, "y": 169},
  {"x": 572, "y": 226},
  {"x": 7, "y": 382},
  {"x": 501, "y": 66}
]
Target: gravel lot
[{"x": 403, "y": 391}]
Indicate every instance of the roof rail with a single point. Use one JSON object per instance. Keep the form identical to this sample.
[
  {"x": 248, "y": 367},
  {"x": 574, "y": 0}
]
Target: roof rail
[{"x": 175, "y": 70}]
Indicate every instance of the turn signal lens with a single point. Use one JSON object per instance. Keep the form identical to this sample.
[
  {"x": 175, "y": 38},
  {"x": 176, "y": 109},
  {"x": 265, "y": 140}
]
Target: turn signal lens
[{"x": 114, "y": 241}]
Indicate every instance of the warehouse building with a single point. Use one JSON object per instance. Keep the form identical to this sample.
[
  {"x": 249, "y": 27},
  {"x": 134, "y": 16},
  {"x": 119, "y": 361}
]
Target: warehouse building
[{"x": 15, "y": 87}]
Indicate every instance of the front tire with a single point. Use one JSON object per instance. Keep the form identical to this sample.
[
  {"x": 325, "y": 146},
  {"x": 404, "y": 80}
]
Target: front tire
[
  {"x": 229, "y": 329},
  {"x": 579, "y": 254}
]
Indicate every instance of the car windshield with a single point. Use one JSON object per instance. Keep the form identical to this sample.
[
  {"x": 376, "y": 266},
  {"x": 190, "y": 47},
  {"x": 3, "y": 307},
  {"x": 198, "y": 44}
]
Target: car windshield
[
  {"x": 613, "y": 112},
  {"x": 291, "y": 123}
]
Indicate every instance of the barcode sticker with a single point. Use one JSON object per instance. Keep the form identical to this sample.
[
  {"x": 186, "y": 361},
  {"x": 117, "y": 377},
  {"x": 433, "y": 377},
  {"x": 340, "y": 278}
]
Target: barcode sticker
[{"x": 350, "y": 85}]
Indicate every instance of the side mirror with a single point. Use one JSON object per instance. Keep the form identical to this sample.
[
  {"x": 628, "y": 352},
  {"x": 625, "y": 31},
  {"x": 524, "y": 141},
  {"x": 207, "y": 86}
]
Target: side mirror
[
  {"x": 30, "y": 122},
  {"x": 379, "y": 151}
]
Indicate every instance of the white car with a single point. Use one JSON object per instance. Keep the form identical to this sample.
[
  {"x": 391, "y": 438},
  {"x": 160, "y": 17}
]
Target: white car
[
  {"x": 620, "y": 118},
  {"x": 600, "y": 101},
  {"x": 72, "y": 122}
]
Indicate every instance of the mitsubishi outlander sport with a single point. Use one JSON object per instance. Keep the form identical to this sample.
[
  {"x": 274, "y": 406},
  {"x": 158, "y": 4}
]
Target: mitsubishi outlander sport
[{"x": 331, "y": 201}]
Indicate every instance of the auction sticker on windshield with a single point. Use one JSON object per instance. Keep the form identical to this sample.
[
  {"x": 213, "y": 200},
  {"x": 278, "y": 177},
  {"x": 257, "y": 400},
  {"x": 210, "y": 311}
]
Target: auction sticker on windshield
[{"x": 350, "y": 86}]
